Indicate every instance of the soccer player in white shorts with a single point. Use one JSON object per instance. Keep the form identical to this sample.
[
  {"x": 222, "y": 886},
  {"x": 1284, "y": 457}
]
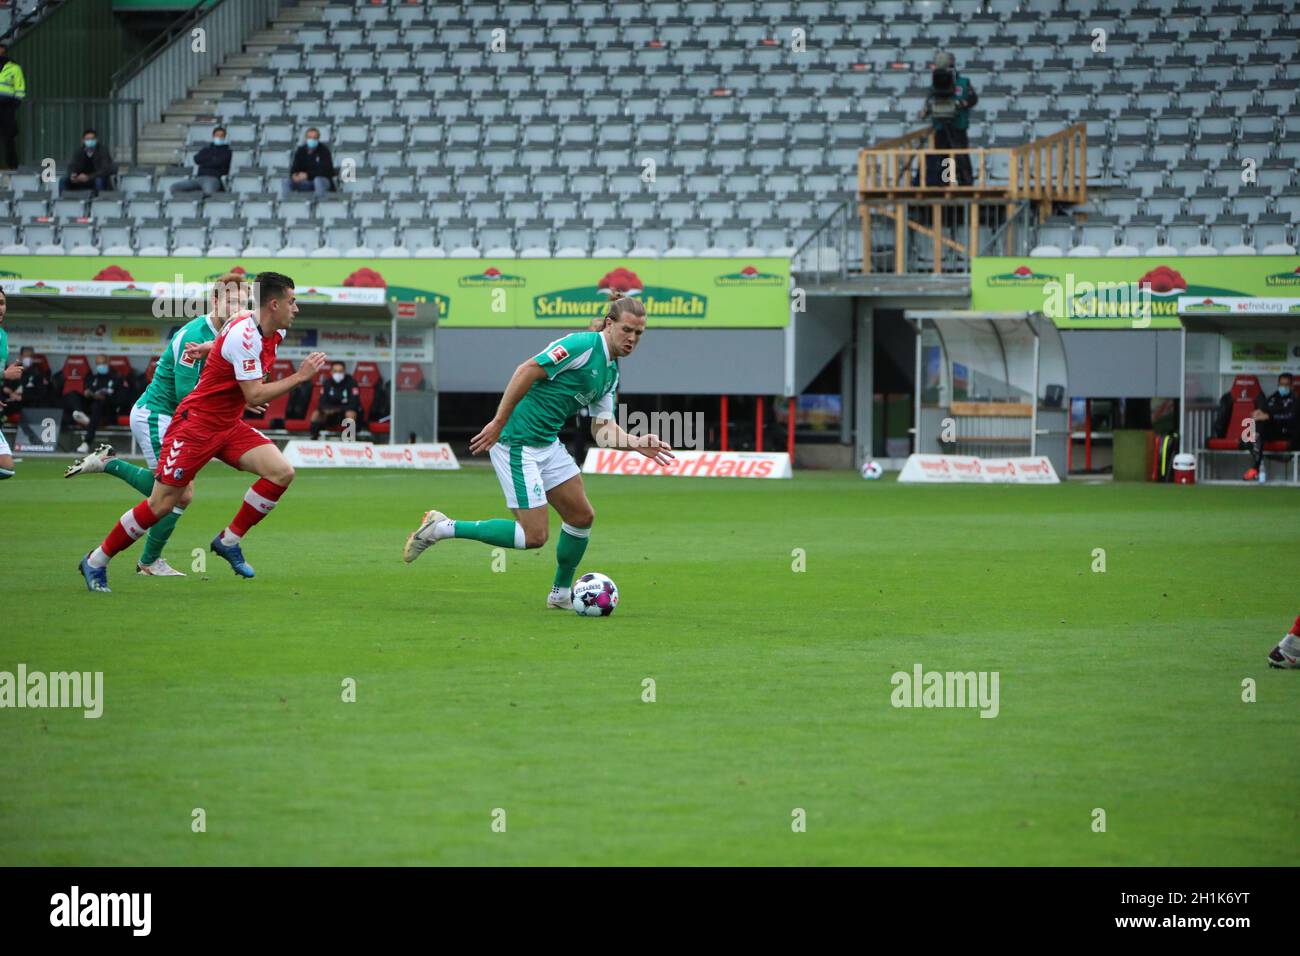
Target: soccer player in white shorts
[{"x": 577, "y": 371}]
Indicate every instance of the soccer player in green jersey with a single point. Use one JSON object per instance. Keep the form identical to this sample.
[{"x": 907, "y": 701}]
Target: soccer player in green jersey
[
  {"x": 174, "y": 377},
  {"x": 577, "y": 371},
  {"x": 11, "y": 373}
]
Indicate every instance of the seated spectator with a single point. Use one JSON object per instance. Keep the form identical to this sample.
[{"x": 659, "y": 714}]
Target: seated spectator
[
  {"x": 340, "y": 398},
  {"x": 31, "y": 388},
  {"x": 312, "y": 169},
  {"x": 1275, "y": 420},
  {"x": 91, "y": 166},
  {"x": 106, "y": 395},
  {"x": 212, "y": 163}
]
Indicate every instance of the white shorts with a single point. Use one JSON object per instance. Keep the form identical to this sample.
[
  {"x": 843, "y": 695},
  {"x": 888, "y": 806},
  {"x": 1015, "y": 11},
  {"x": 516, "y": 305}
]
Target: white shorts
[
  {"x": 149, "y": 427},
  {"x": 527, "y": 473}
]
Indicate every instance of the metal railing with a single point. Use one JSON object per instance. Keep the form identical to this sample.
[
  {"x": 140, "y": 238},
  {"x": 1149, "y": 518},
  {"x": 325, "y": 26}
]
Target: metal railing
[
  {"x": 171, "y": 66},
  {"x": 22, "y": 22},
  {"x": 910, "y": 204},
  {"x": 53, "y": 126},
  {"x": 830, "y": 251}
]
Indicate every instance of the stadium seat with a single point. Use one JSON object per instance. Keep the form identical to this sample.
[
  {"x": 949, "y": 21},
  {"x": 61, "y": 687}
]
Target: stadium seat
[
  {"x": 76, "y": 369},
  {"x": 410, "y": 378}
]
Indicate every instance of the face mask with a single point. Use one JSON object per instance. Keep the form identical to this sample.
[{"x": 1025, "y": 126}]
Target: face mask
[
  {"x": 218, "y": 141},
  {"x": 101, "y": 369},
  {"x": 90, "y": 143},
  {"x": 313, "y": 143},
  {"x": 27, "y": 362},
  {"x": 338, "y": 377},
  {"x": 1284, "y": 390}
]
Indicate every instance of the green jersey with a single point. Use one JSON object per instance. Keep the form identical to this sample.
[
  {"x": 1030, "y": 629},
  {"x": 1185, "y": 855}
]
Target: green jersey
[
  {"x": 173, "y": 376},
  {"x": 4, "y": 348},
  {"x": 579, "y": 374}
]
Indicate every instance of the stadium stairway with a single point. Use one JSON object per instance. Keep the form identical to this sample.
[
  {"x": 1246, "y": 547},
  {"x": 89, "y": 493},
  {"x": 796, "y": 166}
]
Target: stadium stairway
[{"x": 163, "y": 144}]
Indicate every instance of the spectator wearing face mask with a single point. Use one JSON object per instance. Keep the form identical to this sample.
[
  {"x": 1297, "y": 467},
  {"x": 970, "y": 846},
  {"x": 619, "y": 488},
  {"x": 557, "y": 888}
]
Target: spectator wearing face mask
[
  {"x": 105, "y": 393},
  {"x": 312, "y": 169},
  {"x": 32, "y": 386},
  {"x": 91, "y": 166},
  {"x": 212, "y": 163},
  {"x": 1277, "y": 418},
  {"x": 340, "y": 398}
]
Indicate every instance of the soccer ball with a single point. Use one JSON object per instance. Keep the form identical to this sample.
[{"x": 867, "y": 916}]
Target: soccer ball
[
  {"x": 594, "y": 595},
  {"x": 871, "y": 470}
]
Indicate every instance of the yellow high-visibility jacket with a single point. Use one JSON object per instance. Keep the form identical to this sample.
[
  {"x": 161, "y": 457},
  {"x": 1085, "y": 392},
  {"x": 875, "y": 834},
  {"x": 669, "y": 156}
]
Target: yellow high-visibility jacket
[{"x": 12, "y": 82}]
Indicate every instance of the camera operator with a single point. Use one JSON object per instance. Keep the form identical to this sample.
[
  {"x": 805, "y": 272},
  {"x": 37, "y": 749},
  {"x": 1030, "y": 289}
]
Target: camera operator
[{"x": 948, "y": 106}]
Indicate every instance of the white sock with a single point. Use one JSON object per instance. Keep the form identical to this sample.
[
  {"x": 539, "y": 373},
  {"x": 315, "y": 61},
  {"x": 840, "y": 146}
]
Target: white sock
[
  {"x": 520, "y": 540},
  {"x": 97, "y": 559},
  {"x": 1291, "y": 645},
  {"x": 229, "y": 537},
  {"x": 446, "y": 528}
]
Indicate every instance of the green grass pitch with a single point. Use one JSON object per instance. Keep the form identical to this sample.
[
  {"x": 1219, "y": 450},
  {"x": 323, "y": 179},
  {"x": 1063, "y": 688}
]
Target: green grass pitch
[{"x": 1119, "y": 690}]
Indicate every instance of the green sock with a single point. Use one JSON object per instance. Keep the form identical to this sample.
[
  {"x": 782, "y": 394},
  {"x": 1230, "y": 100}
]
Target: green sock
[
  {"x": 498, "y": 531},
  {"x": 141, "y": 479},
  {"x": 568, "y": 553},
  {"x": 158, "y": 535}
]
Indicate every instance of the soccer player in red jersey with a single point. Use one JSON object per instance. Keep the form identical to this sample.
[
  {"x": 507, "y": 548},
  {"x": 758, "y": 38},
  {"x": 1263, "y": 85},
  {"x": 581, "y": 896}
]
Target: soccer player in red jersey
[{"x": 209, "y": 424}]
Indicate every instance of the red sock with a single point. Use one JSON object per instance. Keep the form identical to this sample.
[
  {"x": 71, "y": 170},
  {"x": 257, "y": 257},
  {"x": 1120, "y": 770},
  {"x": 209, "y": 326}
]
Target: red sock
[
  {"x": 1295, "y": 628},
  {"x": 258, "y": 502},
  {"x": 130, "y": 526}
]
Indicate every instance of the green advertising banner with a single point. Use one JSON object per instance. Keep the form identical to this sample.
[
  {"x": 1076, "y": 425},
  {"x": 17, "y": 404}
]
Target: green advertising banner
[
  {"x": 1124, "y": 293},
  {"x": 560, "y": 293}
]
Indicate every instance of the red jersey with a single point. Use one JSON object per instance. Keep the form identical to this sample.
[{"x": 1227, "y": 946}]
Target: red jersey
[{"x": 239, "y": 354}]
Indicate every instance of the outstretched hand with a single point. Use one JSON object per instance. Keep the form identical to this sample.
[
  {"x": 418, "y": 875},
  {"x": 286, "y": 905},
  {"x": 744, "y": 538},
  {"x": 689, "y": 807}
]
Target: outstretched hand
[
  {"x": 656, "y": 449},
  {"x": 312, "y": 364},
  {"x": 196, "y": 351},
  {"x": 486, "y": 438}
]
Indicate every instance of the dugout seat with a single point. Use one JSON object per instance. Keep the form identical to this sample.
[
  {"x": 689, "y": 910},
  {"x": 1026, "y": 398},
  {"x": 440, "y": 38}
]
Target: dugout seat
[
  {"x": 368, "y": 380},
  {"x": 304, "y": 424},
  {"x": 40, "y": 359},
  {"x": 150, "y": 369},
  {"x": 121, "y": 365},
  {"x": 1245, "y": 391},
  {"x": 76, "y": 369},
  {"x": 410, "y": 378}
]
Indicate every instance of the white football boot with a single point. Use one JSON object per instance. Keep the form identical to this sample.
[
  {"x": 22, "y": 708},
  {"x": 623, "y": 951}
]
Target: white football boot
[
  {"x": 1285, "y": 655},
  {"x": 561, "y": 599},
  {"x": 423, "y": 536},
  {"x": 159, "y": 569},
  {"x": 90, "y": 463}
]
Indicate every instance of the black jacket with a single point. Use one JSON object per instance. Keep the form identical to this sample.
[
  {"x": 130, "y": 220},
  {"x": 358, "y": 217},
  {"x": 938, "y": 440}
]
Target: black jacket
[
  {"x": 1282, "y": 412},
  {"x": 213, "y": 161},
  {"x": 112, "y": 383},
  {"x": 35, "y": 385},
  {"x": 314, "y": 162},
  {"x": 98, "y": 163},
  {"x": 345, "y": 394}
]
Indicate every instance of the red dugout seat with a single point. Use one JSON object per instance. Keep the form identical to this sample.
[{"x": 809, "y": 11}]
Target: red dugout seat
[
  {"x": 1245, "y": 391},
  {"x": 76, "y": 369}
]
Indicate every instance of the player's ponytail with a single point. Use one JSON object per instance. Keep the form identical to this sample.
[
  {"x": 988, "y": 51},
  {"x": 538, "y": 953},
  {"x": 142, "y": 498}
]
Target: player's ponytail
[{"x": 620, "y": 302}]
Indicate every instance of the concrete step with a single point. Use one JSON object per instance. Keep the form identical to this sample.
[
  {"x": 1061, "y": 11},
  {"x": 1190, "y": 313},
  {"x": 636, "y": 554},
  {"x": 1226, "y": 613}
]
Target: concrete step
[
  {"x": 245, "y": 60},
  {"x": 213, "y": 86},
  {"x": 302, "y": 13}
]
